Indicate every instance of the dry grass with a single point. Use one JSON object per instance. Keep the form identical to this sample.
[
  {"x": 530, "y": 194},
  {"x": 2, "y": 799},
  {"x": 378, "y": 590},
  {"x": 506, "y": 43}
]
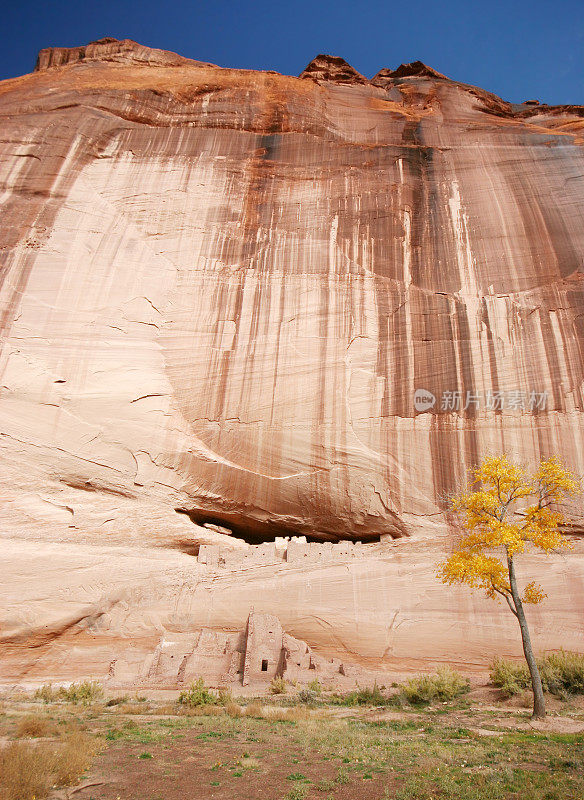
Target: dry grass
[
  {"x": 169, "y": 709},
  {"x": 422, "y": 755},
  {"x": 26, "y": 771},
  {"x": 200, "y": 711},
  {"x": 234, "y": 710},
  {"x": 248, "y": 762},
  {"x": 74, "y": 758},
  {"x": 293, "y": 714},
  {"x": 254, "y": 710},
  {"x": 34, "y": 726},
  {"x": 29, "y": 770},
  {"x": 133, "y": 708}
]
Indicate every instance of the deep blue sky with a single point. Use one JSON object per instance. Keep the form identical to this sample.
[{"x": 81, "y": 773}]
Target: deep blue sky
[{"x": 519, "y": 49}]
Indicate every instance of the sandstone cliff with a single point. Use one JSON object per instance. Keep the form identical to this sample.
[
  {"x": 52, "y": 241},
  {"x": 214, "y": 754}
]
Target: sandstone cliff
[{"x": 221, "y": 290}]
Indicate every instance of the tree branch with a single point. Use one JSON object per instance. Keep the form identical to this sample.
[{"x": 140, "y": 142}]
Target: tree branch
[
  {"x": 509, "y": 603},
  {"x": 506, "y": 596}
]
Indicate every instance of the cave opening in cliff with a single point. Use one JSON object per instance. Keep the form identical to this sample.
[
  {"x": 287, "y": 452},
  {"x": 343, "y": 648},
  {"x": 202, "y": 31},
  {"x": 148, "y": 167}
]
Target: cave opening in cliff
[{"x": 255, "y": 531}]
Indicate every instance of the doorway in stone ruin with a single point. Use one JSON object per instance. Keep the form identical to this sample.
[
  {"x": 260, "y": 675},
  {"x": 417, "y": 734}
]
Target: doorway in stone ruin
[{"x": 264, "y": 664}]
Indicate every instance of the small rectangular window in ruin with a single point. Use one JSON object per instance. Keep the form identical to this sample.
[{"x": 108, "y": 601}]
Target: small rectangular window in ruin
[{"x": 264, "y": 664}]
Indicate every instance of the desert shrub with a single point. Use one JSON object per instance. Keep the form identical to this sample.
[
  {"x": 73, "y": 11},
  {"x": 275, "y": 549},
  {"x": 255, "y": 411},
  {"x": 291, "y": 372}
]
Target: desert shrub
[
  {"x": 200, "y": 695},
  {"x": 254, "y": 710},
  {"x": 116, "y": 701},
  {"x": 46, "y": 694},
  {"x": 197, "y": 695},
  {"x": 315, "y": 686},
  {"x": 552, "y": 678},
  {"x": 224, "y": 696},
  {"x": 278, "y": 686},
  {"x": 33, "y": 726},
  {"x": 561, "y": 673},
  {"x": 444, "y": 685},
  {"x": 512, "y": 677},
  {"x": 307, "y": 696},
  {"x": 85, "y": 692},
  {"x": 566, "y": 672},
  {"x": 362, "y": 697}
]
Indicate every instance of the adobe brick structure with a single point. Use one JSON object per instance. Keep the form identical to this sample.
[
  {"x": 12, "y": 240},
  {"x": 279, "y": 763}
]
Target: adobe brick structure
[
  {"x": 264, "y": 648},
  {"x": 294, "y": 551},
  {"x": 253, "y": 656}
]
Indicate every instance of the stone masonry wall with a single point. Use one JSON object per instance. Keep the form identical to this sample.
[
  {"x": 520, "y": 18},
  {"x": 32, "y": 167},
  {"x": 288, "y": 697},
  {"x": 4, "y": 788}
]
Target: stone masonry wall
[{"x": 283, "y": 550}]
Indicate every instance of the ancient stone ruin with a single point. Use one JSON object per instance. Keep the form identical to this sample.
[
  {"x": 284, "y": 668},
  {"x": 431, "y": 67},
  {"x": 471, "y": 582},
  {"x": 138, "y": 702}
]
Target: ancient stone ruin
[
  {"x": 255, "y": 655},
  {"x": 295, "y": 550}
]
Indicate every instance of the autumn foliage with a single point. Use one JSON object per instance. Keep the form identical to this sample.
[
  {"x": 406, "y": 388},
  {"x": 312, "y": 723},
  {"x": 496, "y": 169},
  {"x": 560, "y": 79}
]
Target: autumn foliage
[
  {"x": 509, "y": 512},
  {"x": 504, "y": 512}
]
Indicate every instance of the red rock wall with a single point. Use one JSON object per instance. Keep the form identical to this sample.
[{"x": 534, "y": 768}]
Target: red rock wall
[{"x": 221, "y": 289}]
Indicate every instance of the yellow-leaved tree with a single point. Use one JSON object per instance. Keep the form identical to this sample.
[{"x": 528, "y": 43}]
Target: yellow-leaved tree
[{"x": 505, "y": 511}]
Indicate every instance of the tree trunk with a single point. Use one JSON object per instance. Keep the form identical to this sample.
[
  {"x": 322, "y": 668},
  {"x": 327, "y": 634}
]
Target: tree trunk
[{"x": 538, "y": 698}]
